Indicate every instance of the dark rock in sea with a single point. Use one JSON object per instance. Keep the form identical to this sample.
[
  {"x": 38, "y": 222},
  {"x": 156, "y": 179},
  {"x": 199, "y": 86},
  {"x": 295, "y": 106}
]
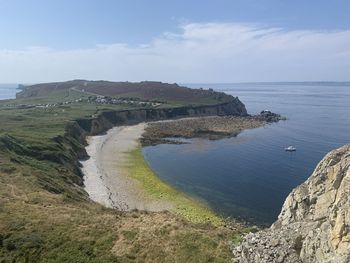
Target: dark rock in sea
[{"x": 269, "y": 116}]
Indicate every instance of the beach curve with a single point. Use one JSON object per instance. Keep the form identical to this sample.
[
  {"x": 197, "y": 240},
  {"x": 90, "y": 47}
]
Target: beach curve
[{"x": 105, "y": 178}]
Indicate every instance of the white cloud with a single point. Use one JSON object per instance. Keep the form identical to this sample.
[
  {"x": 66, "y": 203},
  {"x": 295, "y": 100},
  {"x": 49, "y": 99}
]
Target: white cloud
[{"x": 201, "y": 52}]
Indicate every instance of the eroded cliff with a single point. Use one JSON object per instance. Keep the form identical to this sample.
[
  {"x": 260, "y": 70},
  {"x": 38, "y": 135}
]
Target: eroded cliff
[
  {"x": 314, "y": 224},
  {"x": 109, "y": 119}
]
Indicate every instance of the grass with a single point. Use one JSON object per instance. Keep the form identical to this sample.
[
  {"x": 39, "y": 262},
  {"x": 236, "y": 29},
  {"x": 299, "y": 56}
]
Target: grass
[
  {"x": 46, "y": 216},
  {"x": 192, "y": 210},
  {"x": 40, "y": 226}
]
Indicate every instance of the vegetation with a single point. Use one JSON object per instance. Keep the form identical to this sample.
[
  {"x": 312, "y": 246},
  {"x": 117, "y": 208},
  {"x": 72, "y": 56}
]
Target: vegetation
[
  {"x": 46, "y": 216},
  {"x": 39, "y": 226},
  {"x": 191, "y": 210},
  {"x": 146, "y": 90}
]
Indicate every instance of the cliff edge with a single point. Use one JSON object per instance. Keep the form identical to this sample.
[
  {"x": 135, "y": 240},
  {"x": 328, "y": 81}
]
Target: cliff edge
[{"x": 314, "y": 224}]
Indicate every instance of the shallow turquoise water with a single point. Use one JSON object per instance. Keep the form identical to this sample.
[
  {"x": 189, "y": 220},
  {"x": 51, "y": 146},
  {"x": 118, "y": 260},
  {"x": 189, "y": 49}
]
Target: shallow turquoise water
[{"x": 249, "y": 176}]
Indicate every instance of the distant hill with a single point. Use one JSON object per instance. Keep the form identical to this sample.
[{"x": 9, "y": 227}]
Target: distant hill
[{"x": 147, "y": 90}]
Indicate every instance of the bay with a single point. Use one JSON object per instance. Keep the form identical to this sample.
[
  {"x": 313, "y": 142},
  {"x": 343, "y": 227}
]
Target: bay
[{"x": 249, "y": 176}]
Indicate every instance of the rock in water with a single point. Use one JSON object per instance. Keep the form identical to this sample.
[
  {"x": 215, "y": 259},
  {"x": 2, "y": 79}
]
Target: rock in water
[{"x": 314, "y": 224}]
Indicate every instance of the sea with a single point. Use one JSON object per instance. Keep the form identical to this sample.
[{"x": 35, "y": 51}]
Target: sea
[
  {"x": 8, "y": 91},
  {"x": 249, "y": 176}
]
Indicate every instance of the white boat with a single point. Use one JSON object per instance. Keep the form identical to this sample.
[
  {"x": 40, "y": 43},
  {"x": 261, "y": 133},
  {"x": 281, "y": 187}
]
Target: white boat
[{"x": 290, "y": 149}]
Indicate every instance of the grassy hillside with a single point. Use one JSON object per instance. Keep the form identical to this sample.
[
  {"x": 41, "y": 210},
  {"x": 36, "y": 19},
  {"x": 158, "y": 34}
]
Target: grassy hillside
[
  {"x": 46, "y": 223},
  {"x": 146, "y": 90},
  {"x": 46, "y": 216}
]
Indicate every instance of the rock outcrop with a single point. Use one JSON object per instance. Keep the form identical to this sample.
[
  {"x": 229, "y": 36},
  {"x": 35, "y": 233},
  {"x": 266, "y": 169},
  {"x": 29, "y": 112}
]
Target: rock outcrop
[
  {"x": 314, "y": 224},
  {"x": 212, "y": 128}
]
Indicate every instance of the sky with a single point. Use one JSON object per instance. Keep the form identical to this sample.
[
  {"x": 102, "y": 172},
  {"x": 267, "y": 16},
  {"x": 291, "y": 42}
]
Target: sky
[{"x": 181, "y": 41}]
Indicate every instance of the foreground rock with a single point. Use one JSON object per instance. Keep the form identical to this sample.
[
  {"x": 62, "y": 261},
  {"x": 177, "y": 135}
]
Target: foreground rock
[{"x": 314, "y": 224}]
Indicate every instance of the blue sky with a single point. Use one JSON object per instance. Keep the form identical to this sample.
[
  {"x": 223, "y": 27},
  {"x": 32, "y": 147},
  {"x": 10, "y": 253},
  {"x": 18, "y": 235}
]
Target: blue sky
[{"x": 183, "y": 41}]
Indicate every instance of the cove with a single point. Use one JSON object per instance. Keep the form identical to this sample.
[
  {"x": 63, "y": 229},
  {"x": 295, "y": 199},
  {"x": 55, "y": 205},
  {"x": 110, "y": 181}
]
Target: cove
[{"x": 249, "y": 176}]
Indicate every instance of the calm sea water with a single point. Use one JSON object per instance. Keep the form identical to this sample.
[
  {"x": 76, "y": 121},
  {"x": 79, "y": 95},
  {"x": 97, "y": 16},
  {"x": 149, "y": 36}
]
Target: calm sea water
[
  {"x": 249, "y": 176},
  {"x": 8, "y": 91}
]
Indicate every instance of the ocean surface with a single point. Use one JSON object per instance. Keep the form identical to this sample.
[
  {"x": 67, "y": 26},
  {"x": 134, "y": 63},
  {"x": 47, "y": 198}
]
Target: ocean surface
[
  {"x": 8, "y": 91},
  {"x": 249, "y": 176}
]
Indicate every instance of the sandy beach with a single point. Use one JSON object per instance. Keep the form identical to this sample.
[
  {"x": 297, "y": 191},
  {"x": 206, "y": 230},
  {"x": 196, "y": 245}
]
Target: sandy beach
[
  {"x": 110, "y": 183},
  {"x": 105, "y": 177}
]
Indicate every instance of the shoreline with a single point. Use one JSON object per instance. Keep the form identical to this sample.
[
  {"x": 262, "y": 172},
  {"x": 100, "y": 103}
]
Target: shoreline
[
  {"x": 210, "y": 127},
  {"x": 117, "y": 176},
  {"x": 187, "y": 207},
  {"x": 105, "y": 178}
]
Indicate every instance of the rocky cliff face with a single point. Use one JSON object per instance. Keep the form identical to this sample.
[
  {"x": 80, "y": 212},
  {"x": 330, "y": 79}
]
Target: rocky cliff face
[
  {"x": 314, "y": 224},
  {"x": 107, "y": 120}
]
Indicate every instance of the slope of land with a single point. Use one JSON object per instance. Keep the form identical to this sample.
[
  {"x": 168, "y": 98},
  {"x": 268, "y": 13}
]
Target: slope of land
[
  {"x": 146, "y": 90},
  {"x": 45, "y": 214},
  {"x": 314, "y": 224}
]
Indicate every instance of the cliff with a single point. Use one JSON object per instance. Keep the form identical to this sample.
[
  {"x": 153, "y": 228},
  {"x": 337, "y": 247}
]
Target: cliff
[
  {"x": 314, "y": 224},
  {"x": 109, "y": 119}
]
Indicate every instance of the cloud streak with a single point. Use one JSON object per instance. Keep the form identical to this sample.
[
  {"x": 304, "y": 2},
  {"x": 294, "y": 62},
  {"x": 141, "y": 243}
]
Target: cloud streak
[{"x": 201, "y": 52}]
